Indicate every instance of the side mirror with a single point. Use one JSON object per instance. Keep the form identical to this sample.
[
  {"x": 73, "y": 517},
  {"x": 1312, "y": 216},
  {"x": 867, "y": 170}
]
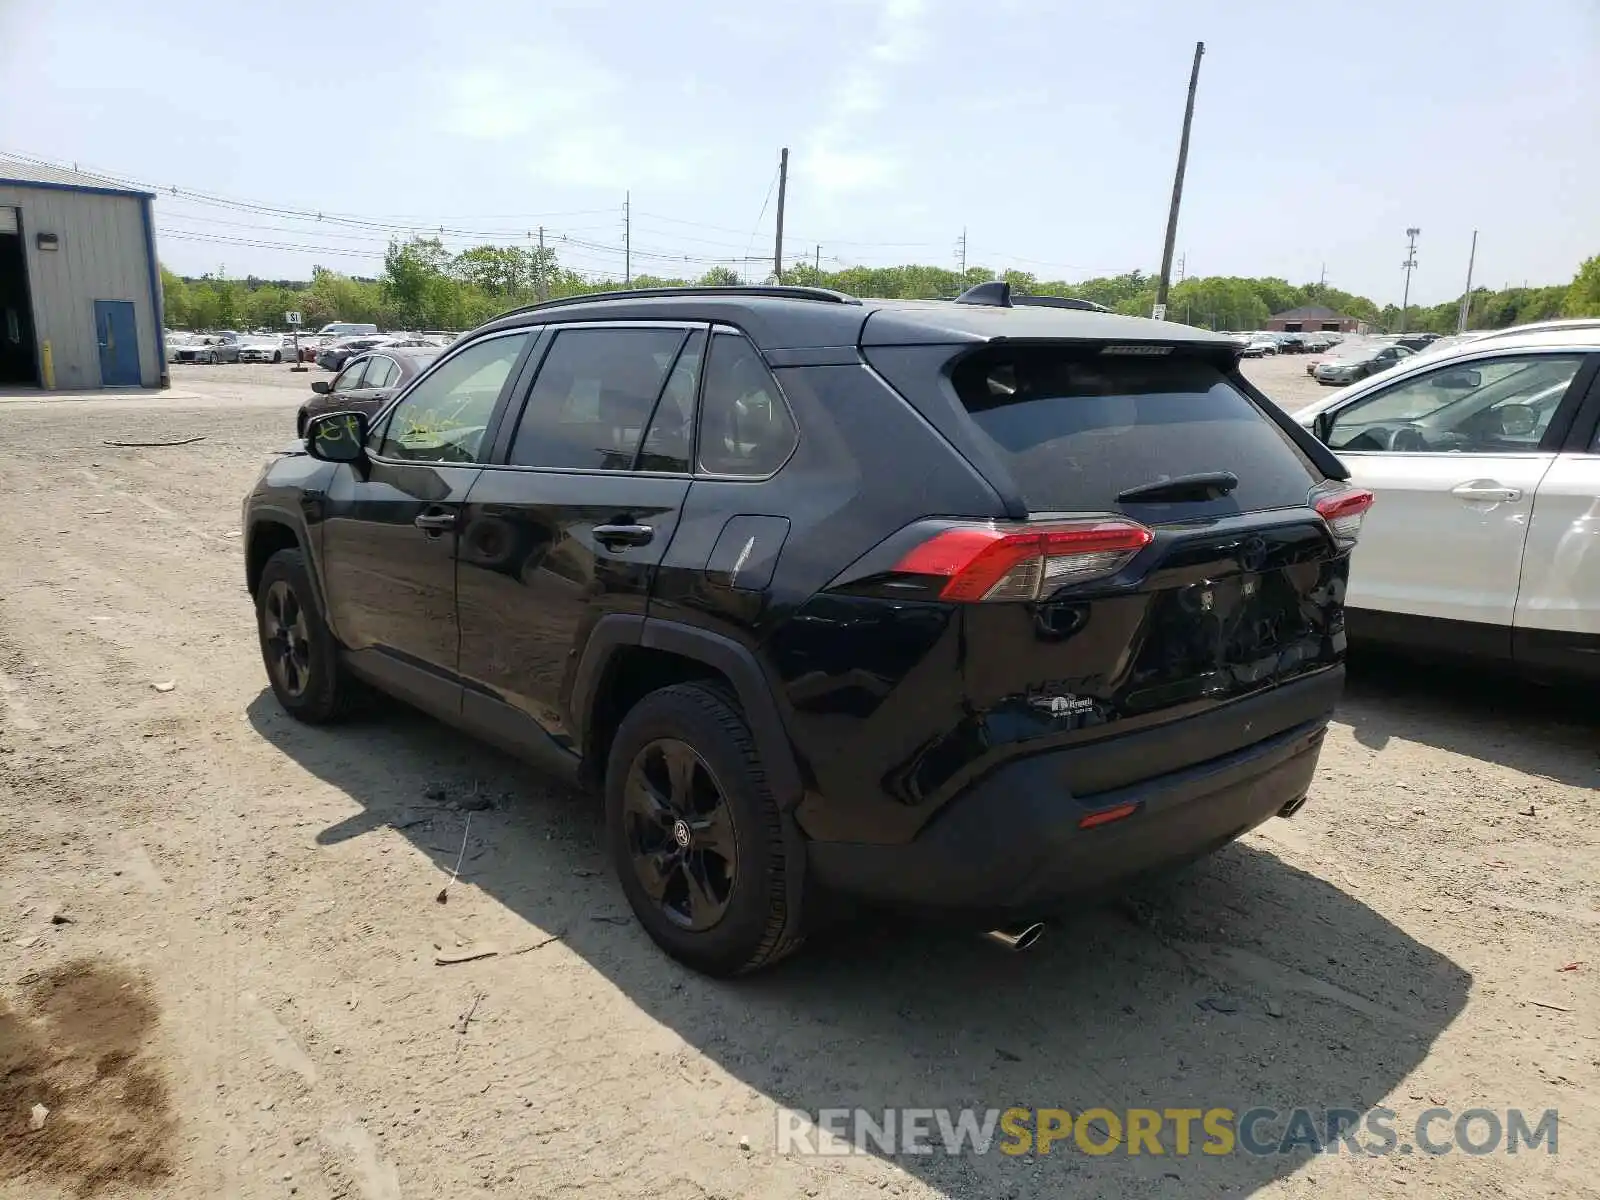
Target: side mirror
[
  {"x": 337, "y": 437},
  {"x": 1518, "y": 420},
  {"x": 1322, "y": 426},
  {"x": 321, "y": 386},
  {"x": 1462, "y": 381}
]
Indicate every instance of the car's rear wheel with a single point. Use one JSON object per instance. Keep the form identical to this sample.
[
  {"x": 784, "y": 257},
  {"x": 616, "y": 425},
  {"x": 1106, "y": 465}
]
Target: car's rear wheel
[
  {"x": 710, "y": 865},
  {"x": 298, "y": 648},
  {"x": 277, "y": 356}
]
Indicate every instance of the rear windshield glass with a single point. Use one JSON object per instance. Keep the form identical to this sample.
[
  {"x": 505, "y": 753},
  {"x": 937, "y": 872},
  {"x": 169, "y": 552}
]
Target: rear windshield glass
[{"x": 1076, "y": 428}]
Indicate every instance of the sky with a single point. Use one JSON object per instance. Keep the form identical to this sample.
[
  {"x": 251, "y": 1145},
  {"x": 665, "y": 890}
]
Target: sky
[{"x": 1046, "y": 130}]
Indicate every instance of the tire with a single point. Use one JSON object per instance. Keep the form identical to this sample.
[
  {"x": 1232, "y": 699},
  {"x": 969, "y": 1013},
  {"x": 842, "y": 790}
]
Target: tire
[
  {"x": 277, "y": 356},
  {"x": 211, "y": 359},
  {"x": 754, "y": 916},
  {"x": 289, "y": 622}
]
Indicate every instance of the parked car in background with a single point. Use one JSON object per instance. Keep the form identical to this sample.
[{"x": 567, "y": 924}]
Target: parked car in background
[
  {"x": 210, "y": 348},
  {"x": 333, "y": 357},
  {"x": 366, "y": 383},
  {"x": 268, "y": 347},
  {"x": 344, "y": 329},
  {"x": 1291, "y": 343},
  {"x": 1259, "y": 345},
  {"x": 1485, "y": 460},
  {"x": 1358, "y": 364},
  {"x": 615, "y": 536},
  {"x": 1416, "y": 342}
]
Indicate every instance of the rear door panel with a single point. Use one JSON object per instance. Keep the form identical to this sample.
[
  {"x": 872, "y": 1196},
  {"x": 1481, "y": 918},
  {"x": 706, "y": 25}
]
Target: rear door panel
[{"x": 532, "y": 578}]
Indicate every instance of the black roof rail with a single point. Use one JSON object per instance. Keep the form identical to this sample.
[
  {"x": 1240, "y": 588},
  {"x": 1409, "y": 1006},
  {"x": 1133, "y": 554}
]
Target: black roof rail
[
  {"x": 1060, "y": 302},
  {"x": 774, "y": 291}
]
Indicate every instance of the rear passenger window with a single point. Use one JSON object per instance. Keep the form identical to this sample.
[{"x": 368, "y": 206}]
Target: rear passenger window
[
  {"x": 593, "y": 396},
  {"x": 1076, "y": 428},
  {"x": 745, "y": 426}
]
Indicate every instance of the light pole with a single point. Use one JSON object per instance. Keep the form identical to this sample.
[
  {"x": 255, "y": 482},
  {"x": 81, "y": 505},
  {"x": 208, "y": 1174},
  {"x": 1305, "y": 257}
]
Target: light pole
[{"x": 1409, "y": 265}]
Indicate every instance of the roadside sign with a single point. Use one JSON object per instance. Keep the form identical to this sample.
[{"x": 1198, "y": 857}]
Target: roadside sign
[
  {"x": 291, "y": 318},
  {"x": 1158, "y": 312}
]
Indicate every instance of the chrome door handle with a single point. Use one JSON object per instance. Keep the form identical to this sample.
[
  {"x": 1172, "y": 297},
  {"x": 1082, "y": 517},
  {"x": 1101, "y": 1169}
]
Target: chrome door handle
[
  {"x": 623, "y": 535},
  {"x": 1485, "y": 490},
  {"x": 434, "y": 522}
]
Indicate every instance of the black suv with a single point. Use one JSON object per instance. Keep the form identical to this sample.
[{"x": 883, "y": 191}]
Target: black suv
[{"x": 962, "y": 607}]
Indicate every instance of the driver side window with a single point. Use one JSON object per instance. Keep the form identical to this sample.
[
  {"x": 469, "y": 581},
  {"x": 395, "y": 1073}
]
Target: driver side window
[
  {"x": 442, "y": 419},
  {"x": 350, "y": 378},
  {"x": 1483, "y": 406}
]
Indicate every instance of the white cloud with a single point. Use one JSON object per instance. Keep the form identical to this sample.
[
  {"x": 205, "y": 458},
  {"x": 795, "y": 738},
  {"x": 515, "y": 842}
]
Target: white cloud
[
  {"x": 838, "y": 159},
  {"x": 556, "y": 112}
]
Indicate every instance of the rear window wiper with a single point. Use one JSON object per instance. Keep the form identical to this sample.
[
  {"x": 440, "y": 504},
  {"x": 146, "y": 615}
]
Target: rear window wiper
[{"x": 1208, "y": 485}]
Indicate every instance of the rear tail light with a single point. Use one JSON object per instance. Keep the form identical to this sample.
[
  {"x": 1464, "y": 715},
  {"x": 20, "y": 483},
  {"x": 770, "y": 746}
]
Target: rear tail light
[
  {"x": 1010, "y": 562},
  {"x": 1343, "y": 507}
]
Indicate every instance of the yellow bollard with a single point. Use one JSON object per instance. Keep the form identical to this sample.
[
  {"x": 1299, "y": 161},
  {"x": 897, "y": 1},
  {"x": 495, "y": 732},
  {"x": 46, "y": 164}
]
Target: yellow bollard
[{"x": 48, "y": 367}]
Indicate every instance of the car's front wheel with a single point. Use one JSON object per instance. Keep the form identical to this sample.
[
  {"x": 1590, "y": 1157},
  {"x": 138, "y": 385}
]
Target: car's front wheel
[
  {"x": 298, "y": 648},
  {"x": 710, "y": 865},
  {"x": 277, "y": 356}
]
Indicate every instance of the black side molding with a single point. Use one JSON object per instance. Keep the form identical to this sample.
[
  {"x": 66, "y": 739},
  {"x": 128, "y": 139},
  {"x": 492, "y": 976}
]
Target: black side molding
[
  {"x": 755, "y": 696},
  {"x": 615, "y": 631},
  {"x": 610, "y": 633}
]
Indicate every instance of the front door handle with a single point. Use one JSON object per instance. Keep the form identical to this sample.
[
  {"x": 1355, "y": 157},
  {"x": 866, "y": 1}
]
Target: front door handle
[
  {"x": 1486, "y": 491},
  {"x": 435, "y": 521},
  {"x": 623, "y": 535}
]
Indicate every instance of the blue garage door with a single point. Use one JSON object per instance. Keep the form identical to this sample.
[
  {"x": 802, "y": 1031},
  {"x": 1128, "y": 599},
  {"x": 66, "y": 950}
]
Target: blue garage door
[{"x": 119, "y": 343}]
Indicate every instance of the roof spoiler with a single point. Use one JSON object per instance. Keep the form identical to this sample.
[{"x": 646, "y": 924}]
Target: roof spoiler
[{"x": 997, "y": 293}]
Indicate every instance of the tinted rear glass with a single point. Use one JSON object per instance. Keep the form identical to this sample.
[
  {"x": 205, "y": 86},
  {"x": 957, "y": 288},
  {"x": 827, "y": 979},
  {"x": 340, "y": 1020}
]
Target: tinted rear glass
[{"x": 1077, "y": 427}]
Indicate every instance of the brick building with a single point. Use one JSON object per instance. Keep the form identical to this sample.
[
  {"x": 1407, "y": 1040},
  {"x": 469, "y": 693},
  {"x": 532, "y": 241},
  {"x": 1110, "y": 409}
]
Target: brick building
[{"x": 1314, "y": 318}]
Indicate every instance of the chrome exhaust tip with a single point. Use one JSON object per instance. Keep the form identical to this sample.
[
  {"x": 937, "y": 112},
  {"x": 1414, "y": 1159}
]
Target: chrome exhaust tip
[
  {"x": 1017, "y": 937},
  {"x": 1294, "y": 806}
]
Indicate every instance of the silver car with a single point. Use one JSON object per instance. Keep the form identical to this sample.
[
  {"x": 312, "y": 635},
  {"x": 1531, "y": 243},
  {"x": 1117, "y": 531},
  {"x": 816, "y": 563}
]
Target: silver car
[
  {"x": 269, "y": 348},
  {"x": 210, "y": 348}
]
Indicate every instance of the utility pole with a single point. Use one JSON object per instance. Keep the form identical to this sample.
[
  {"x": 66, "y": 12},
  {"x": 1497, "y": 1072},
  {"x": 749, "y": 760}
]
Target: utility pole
[
  {"x": 627, "y": 238},
  {"x": 544, "y": 288},
  {"x": 819, "y": 259},
  {"x": 1160, "y": 311},
  {"x": 1409, "y": 264},
  {"x": 1182, "y": 258},
  {"x": 1322, "y": 282},
  {"x": 962, "y": 246},
  {"x": 1466, "y": 298},
  {"x": 783, "y": 188}
]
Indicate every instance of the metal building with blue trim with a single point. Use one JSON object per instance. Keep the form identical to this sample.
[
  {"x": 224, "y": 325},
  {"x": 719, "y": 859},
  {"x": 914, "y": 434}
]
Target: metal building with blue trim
[{"x": 80, "y": 290}]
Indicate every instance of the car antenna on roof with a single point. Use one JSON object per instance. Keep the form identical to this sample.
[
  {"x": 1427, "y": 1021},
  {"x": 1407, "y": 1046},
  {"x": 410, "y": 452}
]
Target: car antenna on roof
[{"x": 995, "y": 294}]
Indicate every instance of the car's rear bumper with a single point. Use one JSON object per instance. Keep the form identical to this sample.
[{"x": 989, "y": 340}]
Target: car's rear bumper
[{"x": 1012, "y": 847}]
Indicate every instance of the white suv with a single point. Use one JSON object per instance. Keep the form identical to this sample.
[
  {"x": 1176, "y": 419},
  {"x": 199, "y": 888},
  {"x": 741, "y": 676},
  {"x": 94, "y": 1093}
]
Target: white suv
[{"x": 1485, "y": 459}]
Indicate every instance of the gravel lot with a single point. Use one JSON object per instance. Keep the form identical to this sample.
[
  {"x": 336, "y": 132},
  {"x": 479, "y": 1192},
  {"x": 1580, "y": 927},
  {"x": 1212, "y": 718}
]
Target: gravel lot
[{"x": 248, "y": 909}]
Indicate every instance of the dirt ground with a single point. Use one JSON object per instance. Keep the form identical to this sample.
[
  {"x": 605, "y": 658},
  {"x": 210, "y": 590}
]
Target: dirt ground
[{"x": 219, "y": 932}]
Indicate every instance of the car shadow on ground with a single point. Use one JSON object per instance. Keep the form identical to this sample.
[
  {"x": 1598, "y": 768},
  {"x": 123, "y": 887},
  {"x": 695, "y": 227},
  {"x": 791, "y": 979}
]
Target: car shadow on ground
[
  {"x": 1240, "y": 982},
  {"x": 1555, "y": 733}
]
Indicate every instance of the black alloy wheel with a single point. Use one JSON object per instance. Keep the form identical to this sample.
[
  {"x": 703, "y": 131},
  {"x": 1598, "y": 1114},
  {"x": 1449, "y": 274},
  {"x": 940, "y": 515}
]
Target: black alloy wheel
[
  {"x": 286, "y": 636},
  {"x": 680, "y": 834}
]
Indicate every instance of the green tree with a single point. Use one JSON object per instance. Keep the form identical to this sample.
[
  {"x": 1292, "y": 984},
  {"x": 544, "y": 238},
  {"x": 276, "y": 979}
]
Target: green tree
[
  {"x": 1583, "y": 295},
  {"x": 728, "y": 277}
]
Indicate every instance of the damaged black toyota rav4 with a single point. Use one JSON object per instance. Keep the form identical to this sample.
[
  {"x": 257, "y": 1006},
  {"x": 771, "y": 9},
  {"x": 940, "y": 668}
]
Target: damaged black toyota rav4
[{"x": 966, "y": 608}]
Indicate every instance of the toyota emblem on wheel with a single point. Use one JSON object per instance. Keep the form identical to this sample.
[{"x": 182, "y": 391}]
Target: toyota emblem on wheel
[{"x": 680, "y": 833}]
